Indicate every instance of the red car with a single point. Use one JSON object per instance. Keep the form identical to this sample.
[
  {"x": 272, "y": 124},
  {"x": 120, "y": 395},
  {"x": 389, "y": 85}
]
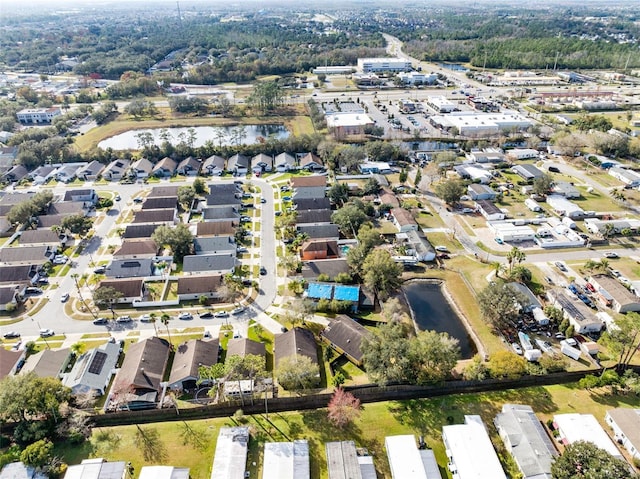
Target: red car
[{"x": 590, "y": 287}]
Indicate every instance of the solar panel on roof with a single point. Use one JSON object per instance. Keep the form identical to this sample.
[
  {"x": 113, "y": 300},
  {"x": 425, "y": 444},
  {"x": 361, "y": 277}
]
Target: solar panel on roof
[{"x": 98, "y": 361}]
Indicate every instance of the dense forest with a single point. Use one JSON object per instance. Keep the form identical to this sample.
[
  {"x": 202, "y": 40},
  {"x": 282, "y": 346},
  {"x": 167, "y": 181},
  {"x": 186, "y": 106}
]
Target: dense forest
[{"x": 206, "y": 47}]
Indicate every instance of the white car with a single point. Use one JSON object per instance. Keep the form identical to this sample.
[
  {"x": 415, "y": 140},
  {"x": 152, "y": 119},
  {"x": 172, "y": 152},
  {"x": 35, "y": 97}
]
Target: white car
[
  {"x": 611, "y": 255},
  {"x": 145, "y": 318},
  {"x": 124, "y": 319},
  {"x": 64, "y": 298},
  {"x": 238, "y": 310},
  {"x": 185, "y": 316},
  {"x": 516, "y": 347},
  {"x": 47, "y": 333},
  {"x": 221, "y": 314},
  {"x": 442, "y": 249}
]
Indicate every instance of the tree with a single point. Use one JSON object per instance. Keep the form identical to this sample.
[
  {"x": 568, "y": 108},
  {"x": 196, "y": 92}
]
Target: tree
[
  {"x": 25, "y": 397},
  {"x": 266, "y": 96},
  {"x": 402, "y": 178},
  {"x": 106, "y": 295},
  {"x": 295, "y": 373},
  {"x": 20, "y": 213},
  {"x": 371, "y": 186},
  {"x": 338, "y": 193},
  {"x": 343, "y": 408},
  {"x": 164, "y": 319},
  {"x": 349, "y": 218},
  {"x": 385, "y": 354},
  {"x": 515, "y": 256},
  {"x": 37, "y": 454},
  {"x": 433, "y": 355},
  {"x": 542, "y": 185},
  {"x": 77, "y": 224},
  {"x": 418, "y": 178},
  {"x": 476, "y": 370},
  {"x": 623, "y": 341},
  {"x": 583, "y": 459},
  {"x": 186, "y": 195},
  {"x": 500, "y": 304},
  {"x": 199, "y": 186},
  {"x": 382, "y": 275},
  {"x": 505, "y": 364},
  {"x": 450, "y": 191},
  {"x": 178, "y": 239}
]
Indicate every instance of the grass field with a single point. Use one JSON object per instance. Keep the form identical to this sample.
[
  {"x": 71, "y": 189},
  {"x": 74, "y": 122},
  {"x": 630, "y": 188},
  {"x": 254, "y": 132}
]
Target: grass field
[{"x": 418, "y": 417}]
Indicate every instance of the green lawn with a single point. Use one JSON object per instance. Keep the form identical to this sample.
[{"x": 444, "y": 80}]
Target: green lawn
[{"x": 417, "y": 417}]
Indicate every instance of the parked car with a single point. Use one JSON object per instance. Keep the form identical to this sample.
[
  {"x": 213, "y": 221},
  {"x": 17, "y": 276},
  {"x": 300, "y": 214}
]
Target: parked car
[
  {"x": 145, "y": 318},
  {"x": 561, "y": 266},
  {"x": 64, "y": 298},
  {"x": 611, "y": 255},
  {"x": 33, "y": 290},
  {"x": 549, "y": 280},
  {"x": 124, "y": 319},
  {"x": 118, "y": 198},
  {"x": 499, "y": 241},
  {"x": 137, "y": 199},
  {"x": 100, "y": 270},
  {"x": 47, "y": 333},
  {"x": 238, "y": 310},
  {"x": 263, "y": 270},
  {"x": 245, "y": 218},
  {"x": 284, "y": 188},
  {"x": 99, "y": 321},
  {"x": 286, "y": 198},
  {"x": 221, "y": 314},
  {"x": 11, "y": 335},
  {"x": 442, "y": 249},
  {"x": 185, "y": 316},
  {"x": 516, "y": 347},
  {"x": 206, "y": 315},
  {"x": 207, "y": 335},
  {"x": 241, "y": 249},
  {"x": 263, "y": 200}
]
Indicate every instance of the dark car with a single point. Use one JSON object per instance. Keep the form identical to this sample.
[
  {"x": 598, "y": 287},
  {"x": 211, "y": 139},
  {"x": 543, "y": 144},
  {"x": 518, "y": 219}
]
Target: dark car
[
  {"x": 554, "y": 169},
  {"x": 263, "y": 270},
  {"x": 206, "y": 315}
]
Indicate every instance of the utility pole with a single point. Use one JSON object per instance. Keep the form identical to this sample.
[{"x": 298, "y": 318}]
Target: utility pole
[{"x": 555, "y": 63}]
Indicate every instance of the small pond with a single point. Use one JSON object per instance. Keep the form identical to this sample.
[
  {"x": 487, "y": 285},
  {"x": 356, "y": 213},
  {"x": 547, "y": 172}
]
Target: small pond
[
  {"x": 197, "y": 135},
  {"x": 432, "y": 311}
]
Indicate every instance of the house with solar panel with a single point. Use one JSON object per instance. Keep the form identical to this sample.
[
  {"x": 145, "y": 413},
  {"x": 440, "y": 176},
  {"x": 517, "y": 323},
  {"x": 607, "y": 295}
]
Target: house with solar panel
[{"x": 93, "y": 370}]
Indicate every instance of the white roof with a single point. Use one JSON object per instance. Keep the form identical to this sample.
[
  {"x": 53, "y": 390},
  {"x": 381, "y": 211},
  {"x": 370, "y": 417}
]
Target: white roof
[
  {"x": 286, "y": 460},
  {"x": 484, "y": 120},
  {"x": 585, "y": 427},
  {"x": 348, "y": 119},
  {"x": 440, "y": 101},
  {"x": 405, "y": 459},
  {"x": 470, "y": 450},
  {"x": 164, "y": 472},
  {"x": 560, "y": 203},
  {"x": 230, "y": 459}
]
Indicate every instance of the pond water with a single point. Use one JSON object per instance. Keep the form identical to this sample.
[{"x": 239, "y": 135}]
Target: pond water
[
  {"x": 428, "y": 145},
  {"x": 454, "y": 66},
  {"x": 219, "y": 135},
  {"x": 432, "y": 311}
]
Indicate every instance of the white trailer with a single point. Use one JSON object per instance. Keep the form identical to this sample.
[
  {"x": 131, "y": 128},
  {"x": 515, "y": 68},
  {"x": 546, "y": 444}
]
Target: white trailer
[
  {"x": 570, "y": 351},
  {"x": 532, "y": 205}
]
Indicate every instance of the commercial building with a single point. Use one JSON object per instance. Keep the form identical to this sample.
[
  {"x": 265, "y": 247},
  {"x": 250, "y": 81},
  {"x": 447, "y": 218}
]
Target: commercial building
[
  {"x": 38, "y": 116},
  {"x": 417, "y": 78},
  {"x": 342, "y": 124},
  {"x": 383, "y": 65},
  {"x": 407, "y": 461},
  {"x": 526, "y": 440},
  {"x": 441, "y": 104},
  {"x": 470, "y": 452},
  {"x": 230, "y": 459},
  {"x": 286, "y": 460},
  {"x": 575, "y": 427},
  {"x": 475, "y": 124}
]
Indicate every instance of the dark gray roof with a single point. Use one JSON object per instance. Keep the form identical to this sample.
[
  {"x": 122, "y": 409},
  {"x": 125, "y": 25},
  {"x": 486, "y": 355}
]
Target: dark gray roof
[
  {"x": 189, "y": 356},
  {"x": 48, "y": 363},
  {"x": 216, "y": 228},
  {"x": 41, "y": 235},
  {"x": 213, "y": 162},
  {"x": 13, "y": 273},
  {"x": 223, "y": 194},
  {"x": 220, "y": 213},
  {"x": 130, "y": 268},
  {"x": 158, "y": 191},
  {"x": 284, "y": 159},
  {"x": 209, "y": 263},
  {"x": 137, "y": 248},
  {"x": 238, "y": 161},
  {"x": 128, "y": 287},
  {"x": 330, "y": 267},
  {"x": 313, "y": 216},
  {"x": 346, "y": 334},
  {"x": 14, "y": 198},
  {"x": 8, "y": 360},
  {"x": 160, "y": 202},
  {"x": 139, "y": 231},
  {"x": 66, "y": 208},
  {"x": 143, "y": 366},
  {"x": 214, "y": 244},
  {"x": 25, "y": 254},
  {"x": 243, "y": 347},
  {"x": 296, "y": 341},
  {"x": 527, "y": 171},
  {"x": 199, "y": 284},
  {"x": 189, "y": 164},
  {"x": 154, "y": 216},
  {"x": 312, "y": 203},
  {"x": 322, "y": 230},
  {"x": 488, "y": 207}
]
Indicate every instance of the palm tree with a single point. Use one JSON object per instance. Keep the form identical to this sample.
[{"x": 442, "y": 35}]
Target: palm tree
[
  {"x": 497, "y": 267},
  {"x": 591, "y": 265},
  {"x": 603, "y": 265},
  {"x": 515, "y": 256},
  {"x": 165, "y": 318},
  {"x": 78, "y": 348},
  {"x": 153, "y": 321}
]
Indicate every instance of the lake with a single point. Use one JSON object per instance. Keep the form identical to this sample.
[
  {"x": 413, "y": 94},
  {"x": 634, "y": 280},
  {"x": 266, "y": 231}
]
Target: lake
[
  {"x": 432, "y": 311},
  {"x": 219, "y": 135}
]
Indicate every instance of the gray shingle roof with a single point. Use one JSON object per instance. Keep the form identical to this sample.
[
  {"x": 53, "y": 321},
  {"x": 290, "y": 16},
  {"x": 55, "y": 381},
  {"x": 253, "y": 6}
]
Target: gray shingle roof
[
  {"x": 296, "y": 341},
  {"x": 347, "y": 335},
  {"x": 209, "y": 263},
  {"x": 189, "y": 356},
  {"x": 143, "y": 366}
]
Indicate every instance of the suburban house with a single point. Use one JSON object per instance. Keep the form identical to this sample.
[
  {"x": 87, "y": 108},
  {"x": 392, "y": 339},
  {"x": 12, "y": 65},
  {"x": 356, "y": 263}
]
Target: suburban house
[
  {"x": 223, "y": 195},
  {"x": 474, "y": 173},
  {"x": 142, "y": 168},
  {"x": 12, "y": 274},
  {"x": 165, "y": 168},
  {"x": 419, "y": 245},
  {"x": 261, "y": 163},
  {"x": 622, "y": 300},
  {"x": 166, "y": 216},
  {"x": 531, "y": 301},
  {"x": 193, "y": 287},
  {"x": 136, "y": 248},
  {"x": 137, "y": 383},
  {"x": 93, "y": 370},
  {"x": 67, "y": 172},
  {"x": 139, "y": 230},
  {"x": 319, "y": 230},
  {"x": 26, "y": 255},
  {"x": 326, "y": 267},
  {"x": 11, "y": 294},
  {"x": 579, "y": 315},
  {"x": 216, "y": 228},
  {"x": 478, "y": 191},
  {"x": 311, "y": 162},
  {"x": 86, "y": 196},
  {"x": 295, "y": 342},
  {"x": 403, "y": 220},
  {"x": 10, "y": 361},
  {"x": 190, "y": 166},
  {"x": 68, "y": 208},
  {"x": 42, "y": 236},
  {"x": 163, "y": 191},
  {"x": 132, "y": 290},
  {"x": 308, "y": 186},
  {"x": 213, "y": 166},
  {"x": 527, "y": 172},
  {"x": 525, "y": 439},
  {"x": 189, "y": 356},
  {"x": 116, "y": 170},
  {"x": 596, "y": 226},
  {"x": 625, "y": 423},
  {"x": 214, "y": 245},
  {"x": 228, "y": 213},
  {"x": 470, "y": 452},
  {"x": 284, "y": 460},
  {"x": 238, "y": 165},
  {"x": 345, "y": 335},
  {"x": 284, "y": 162},
  {"x": 314, "y": 249},
  {"x": 244, "y": 347},
  {"x": 160, "y": 203},
  {"x": 219, "y": 264},
  {"x": 575, "y": 427},
  {"x": 131, "y": 268},
  {"x": 388, "y": 197},
  {"x": 304, "y": 217},
  {"x": 486, "y": 155},
  {"x": 42, "y": 174},
  {"x": 522, "y": 153},
  {"x": 19, "y": 470},
  {"x": 91, "y": 171},
  {"x": 15, "y": 173},
  {"x": 48, "y": 363},
  {"x": 323, "y": 203}
]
